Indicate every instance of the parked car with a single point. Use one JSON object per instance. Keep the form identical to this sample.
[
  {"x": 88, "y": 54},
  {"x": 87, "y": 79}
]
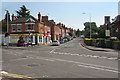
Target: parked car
[
  {"x": 74, "y": 37},
  {"x": 61, "y": 41},
  {"x": 56, "y": 43},
  {"x": 65, "y": 39},
  {"x": 69, "y": 38}
]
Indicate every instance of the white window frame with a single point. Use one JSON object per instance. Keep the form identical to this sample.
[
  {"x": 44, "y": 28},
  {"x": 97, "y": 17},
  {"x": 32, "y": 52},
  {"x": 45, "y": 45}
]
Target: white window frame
[
  {"x": 30, "y": 24},
  {"x": 17, "y": 28},
  {"x": 12, "y": 27}
]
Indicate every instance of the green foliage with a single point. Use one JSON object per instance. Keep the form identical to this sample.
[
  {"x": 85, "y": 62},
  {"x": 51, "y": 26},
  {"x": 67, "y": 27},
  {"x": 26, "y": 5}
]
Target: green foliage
[
  {"x": 94, "y": 35},
  {"x": 23, "y": 12},
  {"x": 77, "y": 32},
  {"x": 88, "y": 42},
  {"x": 70, "y": 34},
  {"x": 4, "y": 27},
  {"x": 94, "y": 29},
  {"x": 101, "y": 33}
]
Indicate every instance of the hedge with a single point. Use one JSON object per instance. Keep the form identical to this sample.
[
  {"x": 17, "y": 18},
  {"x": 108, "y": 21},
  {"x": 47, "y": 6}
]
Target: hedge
[{"x": 102, "y": 42}]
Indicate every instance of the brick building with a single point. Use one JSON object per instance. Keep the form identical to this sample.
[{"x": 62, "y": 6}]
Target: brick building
[
  {"x": 62, "y": 30},
  {"x": 37, "y": 31},
  {"x": 32, "y": 29},
  {"x": 55, "y": 29},
  {"x": 115, "y": 28}
]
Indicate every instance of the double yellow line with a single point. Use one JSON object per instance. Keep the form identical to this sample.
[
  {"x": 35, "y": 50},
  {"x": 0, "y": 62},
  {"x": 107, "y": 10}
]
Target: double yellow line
[{"x": 16, "y": 76}]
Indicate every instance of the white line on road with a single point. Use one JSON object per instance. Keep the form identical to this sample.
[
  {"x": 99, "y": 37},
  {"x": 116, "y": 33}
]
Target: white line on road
[
  {"x": 84, "y": 55},
  {"x": 93, "y": 66},
  {"x": 99, "y": 68}
]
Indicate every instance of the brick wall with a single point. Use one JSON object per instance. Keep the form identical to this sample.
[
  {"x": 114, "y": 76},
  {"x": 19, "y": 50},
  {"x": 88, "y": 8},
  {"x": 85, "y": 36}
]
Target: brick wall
[{"x": 37, "y": 28}]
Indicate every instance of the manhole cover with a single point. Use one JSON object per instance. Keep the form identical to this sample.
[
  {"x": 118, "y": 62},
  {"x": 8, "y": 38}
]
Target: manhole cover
[
  {"x": 32, "y": 65},
  {"x": 24, "y": 57}
]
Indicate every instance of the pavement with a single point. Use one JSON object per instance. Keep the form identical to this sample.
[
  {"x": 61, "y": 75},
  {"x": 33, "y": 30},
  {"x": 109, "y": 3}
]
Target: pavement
[
  {"x": 15, "y": 47},
  {"x": 93, "y": 48}
]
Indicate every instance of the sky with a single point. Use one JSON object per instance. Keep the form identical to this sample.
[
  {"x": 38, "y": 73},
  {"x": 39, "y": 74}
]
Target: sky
[{"x": 68, "y": 13}]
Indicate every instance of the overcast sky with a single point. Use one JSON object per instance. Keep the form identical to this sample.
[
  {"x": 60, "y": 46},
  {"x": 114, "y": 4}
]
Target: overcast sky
[{"x": 69, "y": 13}]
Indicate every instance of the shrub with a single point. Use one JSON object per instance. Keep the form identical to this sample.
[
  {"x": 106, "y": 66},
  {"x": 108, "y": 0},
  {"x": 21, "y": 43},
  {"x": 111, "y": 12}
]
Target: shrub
[
  {"x": 88, "y": 42},
  {"x": 116, "y": 45}
]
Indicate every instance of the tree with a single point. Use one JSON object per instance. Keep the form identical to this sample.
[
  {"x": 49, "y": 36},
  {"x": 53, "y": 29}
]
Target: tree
[
  {"x": 4, "y": 25},
  {"x": 23, "y": 12},
  {"x": 101, "y": 33},
  {"x": 94, "y": 29},
  {"x": 70, "y": 34},
  {"x": 77, "y": 32}
]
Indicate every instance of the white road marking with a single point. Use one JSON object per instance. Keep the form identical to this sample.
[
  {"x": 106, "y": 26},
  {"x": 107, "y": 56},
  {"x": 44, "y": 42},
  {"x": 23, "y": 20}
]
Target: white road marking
[
  {"x": 93, "y": 66},
  {"x": 84, "y": 55},
  {"x": 99, "y": 68}
]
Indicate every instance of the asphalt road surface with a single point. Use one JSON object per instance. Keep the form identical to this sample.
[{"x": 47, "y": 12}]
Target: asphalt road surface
[{"x": 69, "y": 60}]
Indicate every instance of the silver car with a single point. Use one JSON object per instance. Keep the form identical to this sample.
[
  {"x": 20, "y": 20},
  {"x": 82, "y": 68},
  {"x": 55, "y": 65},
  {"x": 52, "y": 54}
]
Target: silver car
[{"x": 56, "y": 43}]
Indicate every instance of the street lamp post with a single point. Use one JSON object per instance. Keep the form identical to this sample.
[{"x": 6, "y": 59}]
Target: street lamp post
[{"x": 90, "y": 25}]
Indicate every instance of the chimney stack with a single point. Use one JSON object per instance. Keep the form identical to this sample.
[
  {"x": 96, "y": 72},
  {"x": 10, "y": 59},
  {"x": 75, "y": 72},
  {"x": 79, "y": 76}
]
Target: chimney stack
[
  {"x": 44, "y": 18},
  {"x": 13, "y": 17},
  {"x": 52, "y": 21},
  {"x": 39, "y": 17}
]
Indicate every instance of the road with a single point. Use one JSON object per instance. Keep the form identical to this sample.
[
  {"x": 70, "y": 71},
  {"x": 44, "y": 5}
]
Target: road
[{"x": 69, "y": 60}]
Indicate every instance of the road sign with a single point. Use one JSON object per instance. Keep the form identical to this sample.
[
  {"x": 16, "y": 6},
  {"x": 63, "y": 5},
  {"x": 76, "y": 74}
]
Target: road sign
[{"x": 107, "y": 33}]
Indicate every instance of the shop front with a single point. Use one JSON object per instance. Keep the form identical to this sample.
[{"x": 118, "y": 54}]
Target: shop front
[
  {"x": 34, "y": 38},
  {"x": 47, "y": 38}
]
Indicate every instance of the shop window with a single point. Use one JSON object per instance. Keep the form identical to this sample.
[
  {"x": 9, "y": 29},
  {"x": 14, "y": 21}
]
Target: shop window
[
  {"x": 40, "y": 39},
  {"x": 14, "y": 39}
]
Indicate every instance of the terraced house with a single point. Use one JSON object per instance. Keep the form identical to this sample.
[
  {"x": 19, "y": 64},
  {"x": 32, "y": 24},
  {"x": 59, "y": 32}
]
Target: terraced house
[{"x": 36, "y": 31}]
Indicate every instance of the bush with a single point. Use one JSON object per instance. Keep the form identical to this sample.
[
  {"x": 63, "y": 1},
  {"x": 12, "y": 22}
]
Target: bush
[
  {"x": 101, "y": 43},
  {"x": 116, "y": 45},
  {"x": 88, "y": 42},
  {"x": 108, "y": 43}
]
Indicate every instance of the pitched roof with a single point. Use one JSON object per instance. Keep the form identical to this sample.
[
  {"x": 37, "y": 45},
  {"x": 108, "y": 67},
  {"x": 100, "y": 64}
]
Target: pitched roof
[{"x": 25, "y": 19}]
